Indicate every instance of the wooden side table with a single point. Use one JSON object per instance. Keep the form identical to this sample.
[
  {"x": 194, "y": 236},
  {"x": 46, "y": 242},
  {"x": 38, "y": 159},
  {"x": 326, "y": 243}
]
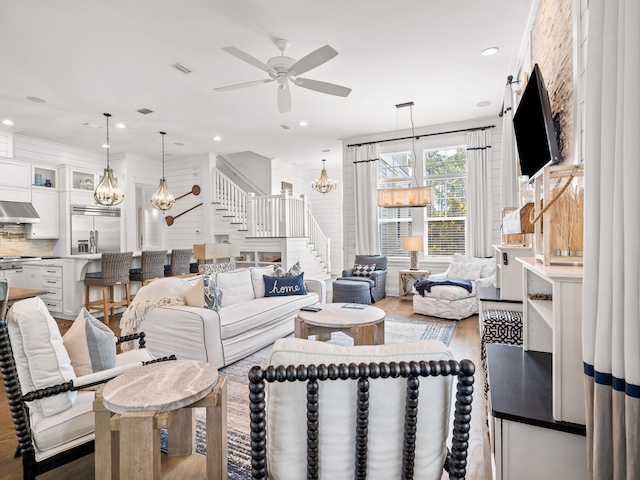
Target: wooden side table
[
  {"x": 407, "y": 278},
  {"x": 365, "y": 325},
  {"x": 132, "y": 408}
]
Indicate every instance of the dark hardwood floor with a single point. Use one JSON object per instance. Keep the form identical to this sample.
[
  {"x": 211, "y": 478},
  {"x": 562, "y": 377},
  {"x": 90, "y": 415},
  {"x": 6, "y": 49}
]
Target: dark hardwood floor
[{"x": 464, "y": 344}]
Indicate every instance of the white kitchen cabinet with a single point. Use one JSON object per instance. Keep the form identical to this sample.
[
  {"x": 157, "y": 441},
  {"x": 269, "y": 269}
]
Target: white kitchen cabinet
[
  {"x": 15, "y": 277},
  {"x": 46, "y": 202},
  {"x": 49, "y": 278},
  {"x": 6, "y": 143},
  {"x": 15, "y": 174}
]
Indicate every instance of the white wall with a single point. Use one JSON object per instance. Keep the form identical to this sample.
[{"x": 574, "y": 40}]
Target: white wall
[{"x": 433, "y": 264}]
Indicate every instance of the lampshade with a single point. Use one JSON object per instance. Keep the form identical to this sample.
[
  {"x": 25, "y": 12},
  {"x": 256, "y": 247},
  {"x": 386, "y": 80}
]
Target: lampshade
[
  {"x": 405, "y": 197},
  {"x": 108, "y": 192},
  {"x": 414, "y": 245},
  {"x": 324, "y": 184},
  {"x": 210, "y": 251},
  {"x": 162, "y": 199}
]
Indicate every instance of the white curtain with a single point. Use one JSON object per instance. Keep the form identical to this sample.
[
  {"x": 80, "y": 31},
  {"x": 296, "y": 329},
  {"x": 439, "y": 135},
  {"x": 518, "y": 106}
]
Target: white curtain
[
  {"x": 611, "y": 290},
  {"x": 479, "y": 193},
  {"x": 508, "y": 164},
  {"x": 366, "y": 199}
]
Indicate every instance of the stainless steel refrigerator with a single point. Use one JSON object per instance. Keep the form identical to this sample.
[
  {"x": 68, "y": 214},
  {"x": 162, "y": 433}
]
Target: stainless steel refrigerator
[{"x": 94, "y": 229}]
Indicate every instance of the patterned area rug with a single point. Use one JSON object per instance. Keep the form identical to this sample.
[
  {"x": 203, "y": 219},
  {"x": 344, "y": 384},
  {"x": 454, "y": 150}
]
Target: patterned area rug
[{"x": 397, "y": 330}]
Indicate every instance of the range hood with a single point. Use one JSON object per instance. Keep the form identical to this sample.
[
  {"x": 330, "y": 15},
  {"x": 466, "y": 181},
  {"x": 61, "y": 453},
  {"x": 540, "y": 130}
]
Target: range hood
[{"x": 18, "y": 212}]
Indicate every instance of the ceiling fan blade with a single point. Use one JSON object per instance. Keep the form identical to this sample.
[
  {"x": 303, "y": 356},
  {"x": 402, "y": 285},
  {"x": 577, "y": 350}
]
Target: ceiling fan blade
[
  {"x": 242, "y": 85},
  {"x": 323, "y": 87},
  {"x": 248, "y": 58},
  {"x": 314, "y": 59},
  {"x": 284, "y": 99}
]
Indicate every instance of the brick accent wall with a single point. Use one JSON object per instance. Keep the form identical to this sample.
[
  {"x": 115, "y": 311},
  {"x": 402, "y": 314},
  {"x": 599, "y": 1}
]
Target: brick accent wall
[{"x": 552, "y": 50}]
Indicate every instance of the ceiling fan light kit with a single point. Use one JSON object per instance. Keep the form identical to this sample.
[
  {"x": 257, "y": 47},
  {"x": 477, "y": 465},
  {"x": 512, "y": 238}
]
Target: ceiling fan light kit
[{"x": 285, "y": 70}]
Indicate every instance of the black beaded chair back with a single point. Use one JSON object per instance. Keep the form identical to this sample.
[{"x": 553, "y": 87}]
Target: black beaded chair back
[
  {"x": 180, "y": 259},
  {"x": 152, "y": 266},
  {"x": 361, "y": 374}
]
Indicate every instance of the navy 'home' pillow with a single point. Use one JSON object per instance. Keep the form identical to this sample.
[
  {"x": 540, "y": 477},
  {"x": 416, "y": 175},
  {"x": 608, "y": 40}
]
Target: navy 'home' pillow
[{"x": 283, "y": 286}]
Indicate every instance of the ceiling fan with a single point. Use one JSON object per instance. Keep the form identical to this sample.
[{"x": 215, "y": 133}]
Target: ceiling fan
[{"x": 284, "y": 69}]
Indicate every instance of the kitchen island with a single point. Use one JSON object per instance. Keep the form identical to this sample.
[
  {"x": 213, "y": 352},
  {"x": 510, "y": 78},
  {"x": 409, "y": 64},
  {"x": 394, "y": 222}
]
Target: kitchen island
[{"x": 69, "y": 299}]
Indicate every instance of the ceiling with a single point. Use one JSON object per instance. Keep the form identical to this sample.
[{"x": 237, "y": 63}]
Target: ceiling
[{"x": 95, "y": 56}]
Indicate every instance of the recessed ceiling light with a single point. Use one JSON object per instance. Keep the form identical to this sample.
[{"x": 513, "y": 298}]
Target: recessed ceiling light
[
  {"x": 120, "y": 125},
  {"x": 303, "y": 123},
  {"x": 7, "y": 122},
  {"x": 486, "y": 103},
  {"x": 105, "y": 145},
  {"x": 36, "y": 99},
  {"x": 217, "y": 139},
  {"x": 490, "y": 51}
]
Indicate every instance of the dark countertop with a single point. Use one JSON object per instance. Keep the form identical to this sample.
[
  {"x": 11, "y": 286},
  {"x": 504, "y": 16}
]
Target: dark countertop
[{"x": 520, "y": 387}]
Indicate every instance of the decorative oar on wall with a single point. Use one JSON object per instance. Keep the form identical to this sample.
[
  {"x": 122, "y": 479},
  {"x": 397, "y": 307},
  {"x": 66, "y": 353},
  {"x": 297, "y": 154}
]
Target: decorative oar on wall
[
  {"x": 169, "y": 219},
  {"x": 196, "y": 191}
]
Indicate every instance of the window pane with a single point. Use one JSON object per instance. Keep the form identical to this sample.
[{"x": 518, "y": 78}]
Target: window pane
[
  {"x": 445, "y": 173},
  {"x": 396, "y": 165},
  {"x": 392, "y": 233}
]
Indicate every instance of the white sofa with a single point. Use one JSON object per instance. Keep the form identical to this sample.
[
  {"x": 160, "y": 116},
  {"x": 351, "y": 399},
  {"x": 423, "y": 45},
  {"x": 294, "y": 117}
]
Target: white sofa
[
  {"x": 453, "y": 302},
  {"x": 246, "y": 322}
]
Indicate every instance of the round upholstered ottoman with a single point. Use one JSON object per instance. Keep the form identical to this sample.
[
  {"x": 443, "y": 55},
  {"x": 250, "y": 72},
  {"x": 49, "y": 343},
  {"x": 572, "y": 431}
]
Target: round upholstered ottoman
[{"x": 347, "y": 291}]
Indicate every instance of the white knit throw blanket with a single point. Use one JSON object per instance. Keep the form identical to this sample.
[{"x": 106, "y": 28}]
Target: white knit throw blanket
[{"x": 134, "y": 315}]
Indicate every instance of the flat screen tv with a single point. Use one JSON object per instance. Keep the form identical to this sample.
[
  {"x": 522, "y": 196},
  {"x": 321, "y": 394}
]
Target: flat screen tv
[{"x": 534, "y": 130}]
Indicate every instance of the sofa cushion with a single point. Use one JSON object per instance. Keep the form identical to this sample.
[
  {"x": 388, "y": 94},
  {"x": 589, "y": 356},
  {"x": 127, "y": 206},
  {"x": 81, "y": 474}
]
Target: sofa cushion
[
  {"x": 363, "y": 270},
  {"x": 295, "y": 269},
  {"x": 488, "y": 264},
  {"x": 283, "y": 286},
  {"x": 40, "y": 356},
  {"x": 194, "y": 297},
  {"x": 467, "y": 271},
  {"x": 287, "y": 416},
  {"x": 257, "y": 282},
  {"x": 91, "y": 345},
  {"x": 235, "y": 286},
  {"x": 216, "y": 267}
]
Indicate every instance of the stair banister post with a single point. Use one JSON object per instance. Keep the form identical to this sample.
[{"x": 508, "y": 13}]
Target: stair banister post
[
  {"x": 285, "y": 211},
  {"x": 251, "y": 214},
  {"x": 305, "y": 215}
]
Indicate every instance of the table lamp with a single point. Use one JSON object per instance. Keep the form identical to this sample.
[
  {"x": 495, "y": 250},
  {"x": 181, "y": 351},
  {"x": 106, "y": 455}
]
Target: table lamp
[{"x": 413, "y": 245}]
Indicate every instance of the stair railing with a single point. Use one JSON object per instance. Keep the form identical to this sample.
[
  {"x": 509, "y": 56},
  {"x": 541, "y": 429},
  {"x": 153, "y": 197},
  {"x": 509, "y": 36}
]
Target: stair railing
[{"x": 321, "y": 244}]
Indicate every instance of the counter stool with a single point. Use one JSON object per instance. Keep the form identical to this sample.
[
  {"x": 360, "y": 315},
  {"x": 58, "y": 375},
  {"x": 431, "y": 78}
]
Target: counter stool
[
  {"x": 114, "y": 270},
  {"x": 152, "y": 262},
  {"x": 179, "y": 263},
  {"x": 347, "y": 291}
]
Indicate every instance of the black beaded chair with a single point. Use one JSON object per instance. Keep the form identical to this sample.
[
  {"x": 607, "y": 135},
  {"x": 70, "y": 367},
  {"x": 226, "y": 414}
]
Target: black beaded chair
[
  {"x": 180, "y": 259},
  {"x": 47, "y": 443},
  {"x": 114, "y": 270},
  {"x": 349, "y": 416}
]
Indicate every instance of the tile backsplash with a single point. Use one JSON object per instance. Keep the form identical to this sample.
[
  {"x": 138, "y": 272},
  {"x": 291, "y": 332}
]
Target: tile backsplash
[{"x": 13, "y": 243}]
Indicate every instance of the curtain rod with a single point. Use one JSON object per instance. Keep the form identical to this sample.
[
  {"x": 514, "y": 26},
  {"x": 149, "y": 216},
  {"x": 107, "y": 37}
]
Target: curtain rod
[{"x": 417, "y": 137}]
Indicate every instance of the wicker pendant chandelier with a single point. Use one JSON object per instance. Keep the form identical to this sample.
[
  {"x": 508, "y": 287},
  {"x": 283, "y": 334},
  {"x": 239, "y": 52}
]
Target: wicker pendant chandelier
[
  {"x": 108, "y": 192},
  {"x": 324, "y": 184},
  {"x": 162, "y": 199}
]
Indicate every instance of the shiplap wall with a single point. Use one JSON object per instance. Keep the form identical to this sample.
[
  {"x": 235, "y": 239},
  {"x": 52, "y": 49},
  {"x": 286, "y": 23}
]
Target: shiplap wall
[
  {"x": 435, "y": 265},
  {"x": 327, "y": 208}
]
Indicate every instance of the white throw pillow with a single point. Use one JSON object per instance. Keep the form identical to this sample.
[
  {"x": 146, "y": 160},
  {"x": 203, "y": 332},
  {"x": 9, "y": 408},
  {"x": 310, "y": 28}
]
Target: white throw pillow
[
  {"x": 235, "y": 286},
  {"x": 468, "y": 271},
  {"x": 195, "y": 295},
  {"x": 91, "y": 345},
  {"x": 257, "y": 281},
  {"x": 40, "y": 356}
]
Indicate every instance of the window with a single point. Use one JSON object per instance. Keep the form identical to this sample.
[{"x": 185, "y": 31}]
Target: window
[
  {"x": 395, "y": 170},
  {"x": 445, "y": 221},
  {"x": 445, "y": 172}
]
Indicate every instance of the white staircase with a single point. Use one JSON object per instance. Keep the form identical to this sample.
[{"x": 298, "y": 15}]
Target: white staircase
[{"x": 270, "y": 227}]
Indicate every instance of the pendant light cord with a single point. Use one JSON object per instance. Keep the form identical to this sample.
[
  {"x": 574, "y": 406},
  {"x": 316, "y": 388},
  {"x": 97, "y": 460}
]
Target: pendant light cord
[
  {"x": 413, "y": 148},
  {"x": 108, "y": 143},
  {"x": 163, "y": 134}
]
